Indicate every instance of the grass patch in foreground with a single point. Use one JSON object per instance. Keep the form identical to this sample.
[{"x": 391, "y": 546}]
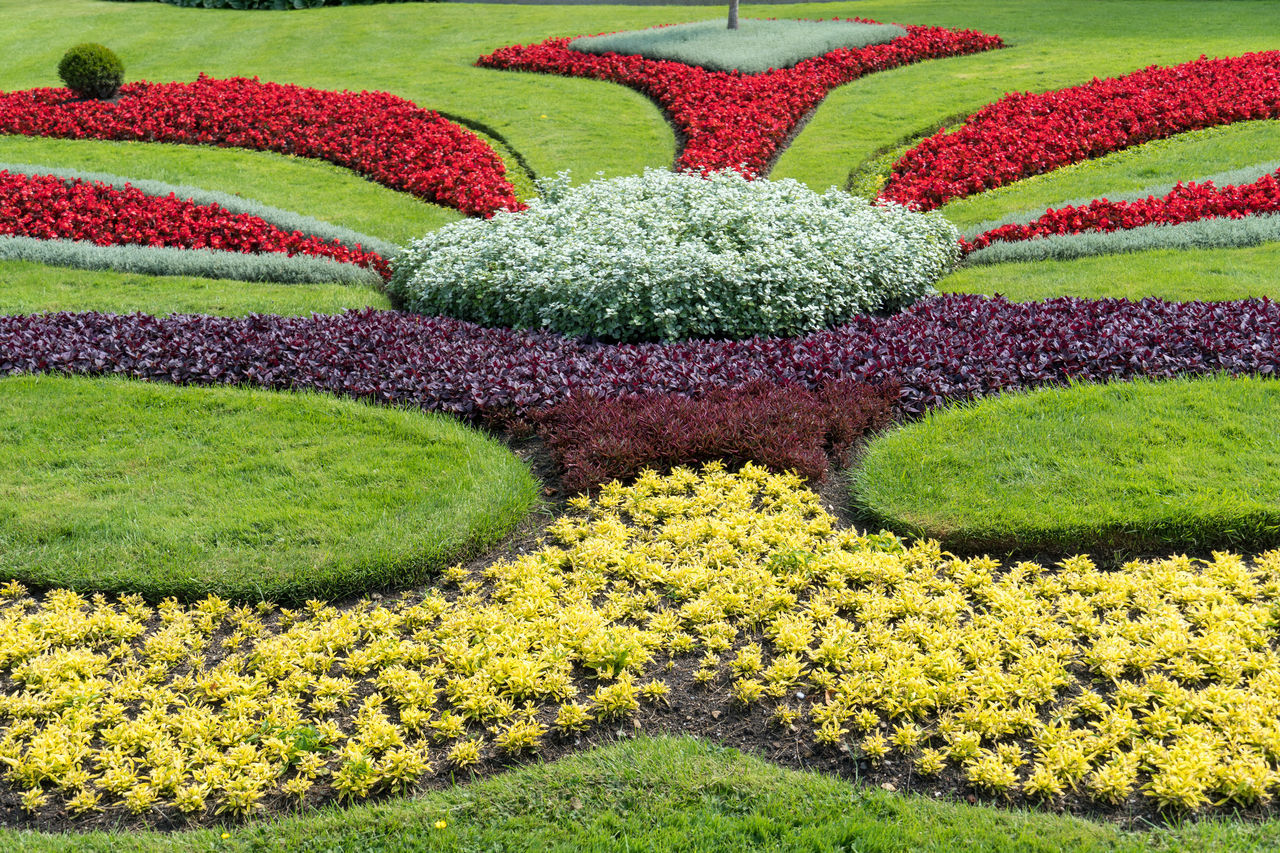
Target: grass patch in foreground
[
  {"x": 667, "y": 794},
  {"x": 31, "y": 288},
  {"x": 1183, "y": 464},
  {"x": 116, "y": 485},
  {"x": 757, "y": 45},
  {"x": 1181, "y": 275}
]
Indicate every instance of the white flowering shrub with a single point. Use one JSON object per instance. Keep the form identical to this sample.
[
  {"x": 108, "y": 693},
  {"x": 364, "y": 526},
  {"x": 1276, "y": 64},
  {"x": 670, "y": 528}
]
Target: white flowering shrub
[{"x": 666, "y": 256}]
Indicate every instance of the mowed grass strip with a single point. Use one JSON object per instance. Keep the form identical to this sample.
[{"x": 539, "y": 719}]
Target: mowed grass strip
[
  {"x": 120, "y": 486},
  {"x": 312, "y": 187},
  {"x": 27, "y": 287},
  {"x": 1186, "y": 157},
  {"x": 1183, "y": 465},
  {"x": 1179, "y": 275},
  {"x": 677, "y": 794}
]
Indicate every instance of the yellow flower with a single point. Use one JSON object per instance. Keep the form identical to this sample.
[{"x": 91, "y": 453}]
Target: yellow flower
[{"x": 441, "y": 824}]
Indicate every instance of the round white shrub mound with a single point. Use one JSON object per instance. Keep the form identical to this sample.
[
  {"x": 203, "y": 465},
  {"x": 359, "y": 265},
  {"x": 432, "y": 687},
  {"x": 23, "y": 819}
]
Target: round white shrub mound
[{"x": 666, "y": 256}]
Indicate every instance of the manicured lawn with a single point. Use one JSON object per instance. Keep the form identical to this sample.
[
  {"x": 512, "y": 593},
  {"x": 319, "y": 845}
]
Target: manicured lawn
[
  {"x": 137, "y": 487},
  {"x": 1209, "y": 274},
  {"x": 1128, "y": 467},
  {"x": 299, "y": 184},
  {"x": 1187, "y": 157},
  {"x": 28, "y": 288},
  {"x": 115, "y": 485}
]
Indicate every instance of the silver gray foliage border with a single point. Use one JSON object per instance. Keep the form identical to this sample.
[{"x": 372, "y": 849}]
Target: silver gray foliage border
[
  {"x": 1215, "y": 233},
  {"x": 203, "y": 263}
]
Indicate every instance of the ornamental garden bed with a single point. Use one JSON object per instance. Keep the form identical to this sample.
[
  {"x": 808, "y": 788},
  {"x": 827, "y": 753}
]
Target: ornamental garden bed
[{"x": 312, "y": 639}]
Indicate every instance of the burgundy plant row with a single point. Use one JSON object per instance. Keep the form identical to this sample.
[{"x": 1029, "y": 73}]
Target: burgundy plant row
[
  {"x": 940, "y": 350},
  {"x": 781, "y": 426}
]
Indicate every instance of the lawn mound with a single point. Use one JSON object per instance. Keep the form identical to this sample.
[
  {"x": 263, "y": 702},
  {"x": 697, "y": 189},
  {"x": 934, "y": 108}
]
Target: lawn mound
[
  {"x": 1130, "y": 467},
  {"x": 118, "y": 486},
  {"x": 756, "y": 46}
]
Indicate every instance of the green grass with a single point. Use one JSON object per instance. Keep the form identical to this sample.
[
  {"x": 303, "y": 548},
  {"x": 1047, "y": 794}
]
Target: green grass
[
  {"x": 117, "y": 485},
  {"x": 1050, "y": 45},
  {"x": 1186, "y": 464},
  {"x": 669, "y": 794},
  {"x": 1179, "y": 158},
  {"x": 29, "y": 288},
  {"x": 756, "y": 46},
  {"x": 310, "y": 187},
  {"x": 1207, "y": 274},
  {"x": 421, "y": 51}
]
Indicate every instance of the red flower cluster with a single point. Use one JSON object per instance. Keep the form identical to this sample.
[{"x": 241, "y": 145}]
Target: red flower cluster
[
  {"x": 731, "y": 120},
  {"x": 51, "y": 208},
  {"x": 1184, "y": 203},
  {"x": 380, "y": 136},
  {"x": 1025, "y": 134}
]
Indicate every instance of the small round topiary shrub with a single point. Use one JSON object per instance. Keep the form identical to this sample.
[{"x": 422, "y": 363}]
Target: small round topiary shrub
[
  {"x": 667, "y": 256},
  {"x": 91, "y": 71}
]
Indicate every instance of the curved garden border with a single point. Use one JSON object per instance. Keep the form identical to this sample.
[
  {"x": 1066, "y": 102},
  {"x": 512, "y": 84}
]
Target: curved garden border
[
  {"x": 1026, "y": 134},
  {"x": 202, "y": 263},
  {"x": 728, "y": 120},
  {"x": 1184, "y": 203},
  {"x": 49, "y": 207},
  {"x": 285, "y": 220},
  {"x": 375, "y": 134}
]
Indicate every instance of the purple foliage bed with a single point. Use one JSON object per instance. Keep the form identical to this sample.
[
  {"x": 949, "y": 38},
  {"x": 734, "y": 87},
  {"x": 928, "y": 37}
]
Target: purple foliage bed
[{"x": 941, "y": 350}]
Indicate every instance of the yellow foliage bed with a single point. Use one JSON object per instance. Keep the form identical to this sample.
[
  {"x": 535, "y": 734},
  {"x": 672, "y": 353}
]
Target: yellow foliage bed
[{"x": 1160, "y": 677}]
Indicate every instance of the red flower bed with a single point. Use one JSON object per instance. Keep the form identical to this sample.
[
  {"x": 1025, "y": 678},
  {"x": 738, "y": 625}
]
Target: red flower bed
[
  {"x": 50, "y": 208},
  {"x": 385, "y": 138},
  {"x": 731, "y": 120},
  {"x": 1185, "y": 203},
  {"x": 1024, "y": 134}
]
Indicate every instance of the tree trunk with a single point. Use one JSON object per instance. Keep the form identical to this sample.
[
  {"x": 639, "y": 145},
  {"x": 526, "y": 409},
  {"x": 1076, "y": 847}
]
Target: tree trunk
[{"x": 733, "y": 14}]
